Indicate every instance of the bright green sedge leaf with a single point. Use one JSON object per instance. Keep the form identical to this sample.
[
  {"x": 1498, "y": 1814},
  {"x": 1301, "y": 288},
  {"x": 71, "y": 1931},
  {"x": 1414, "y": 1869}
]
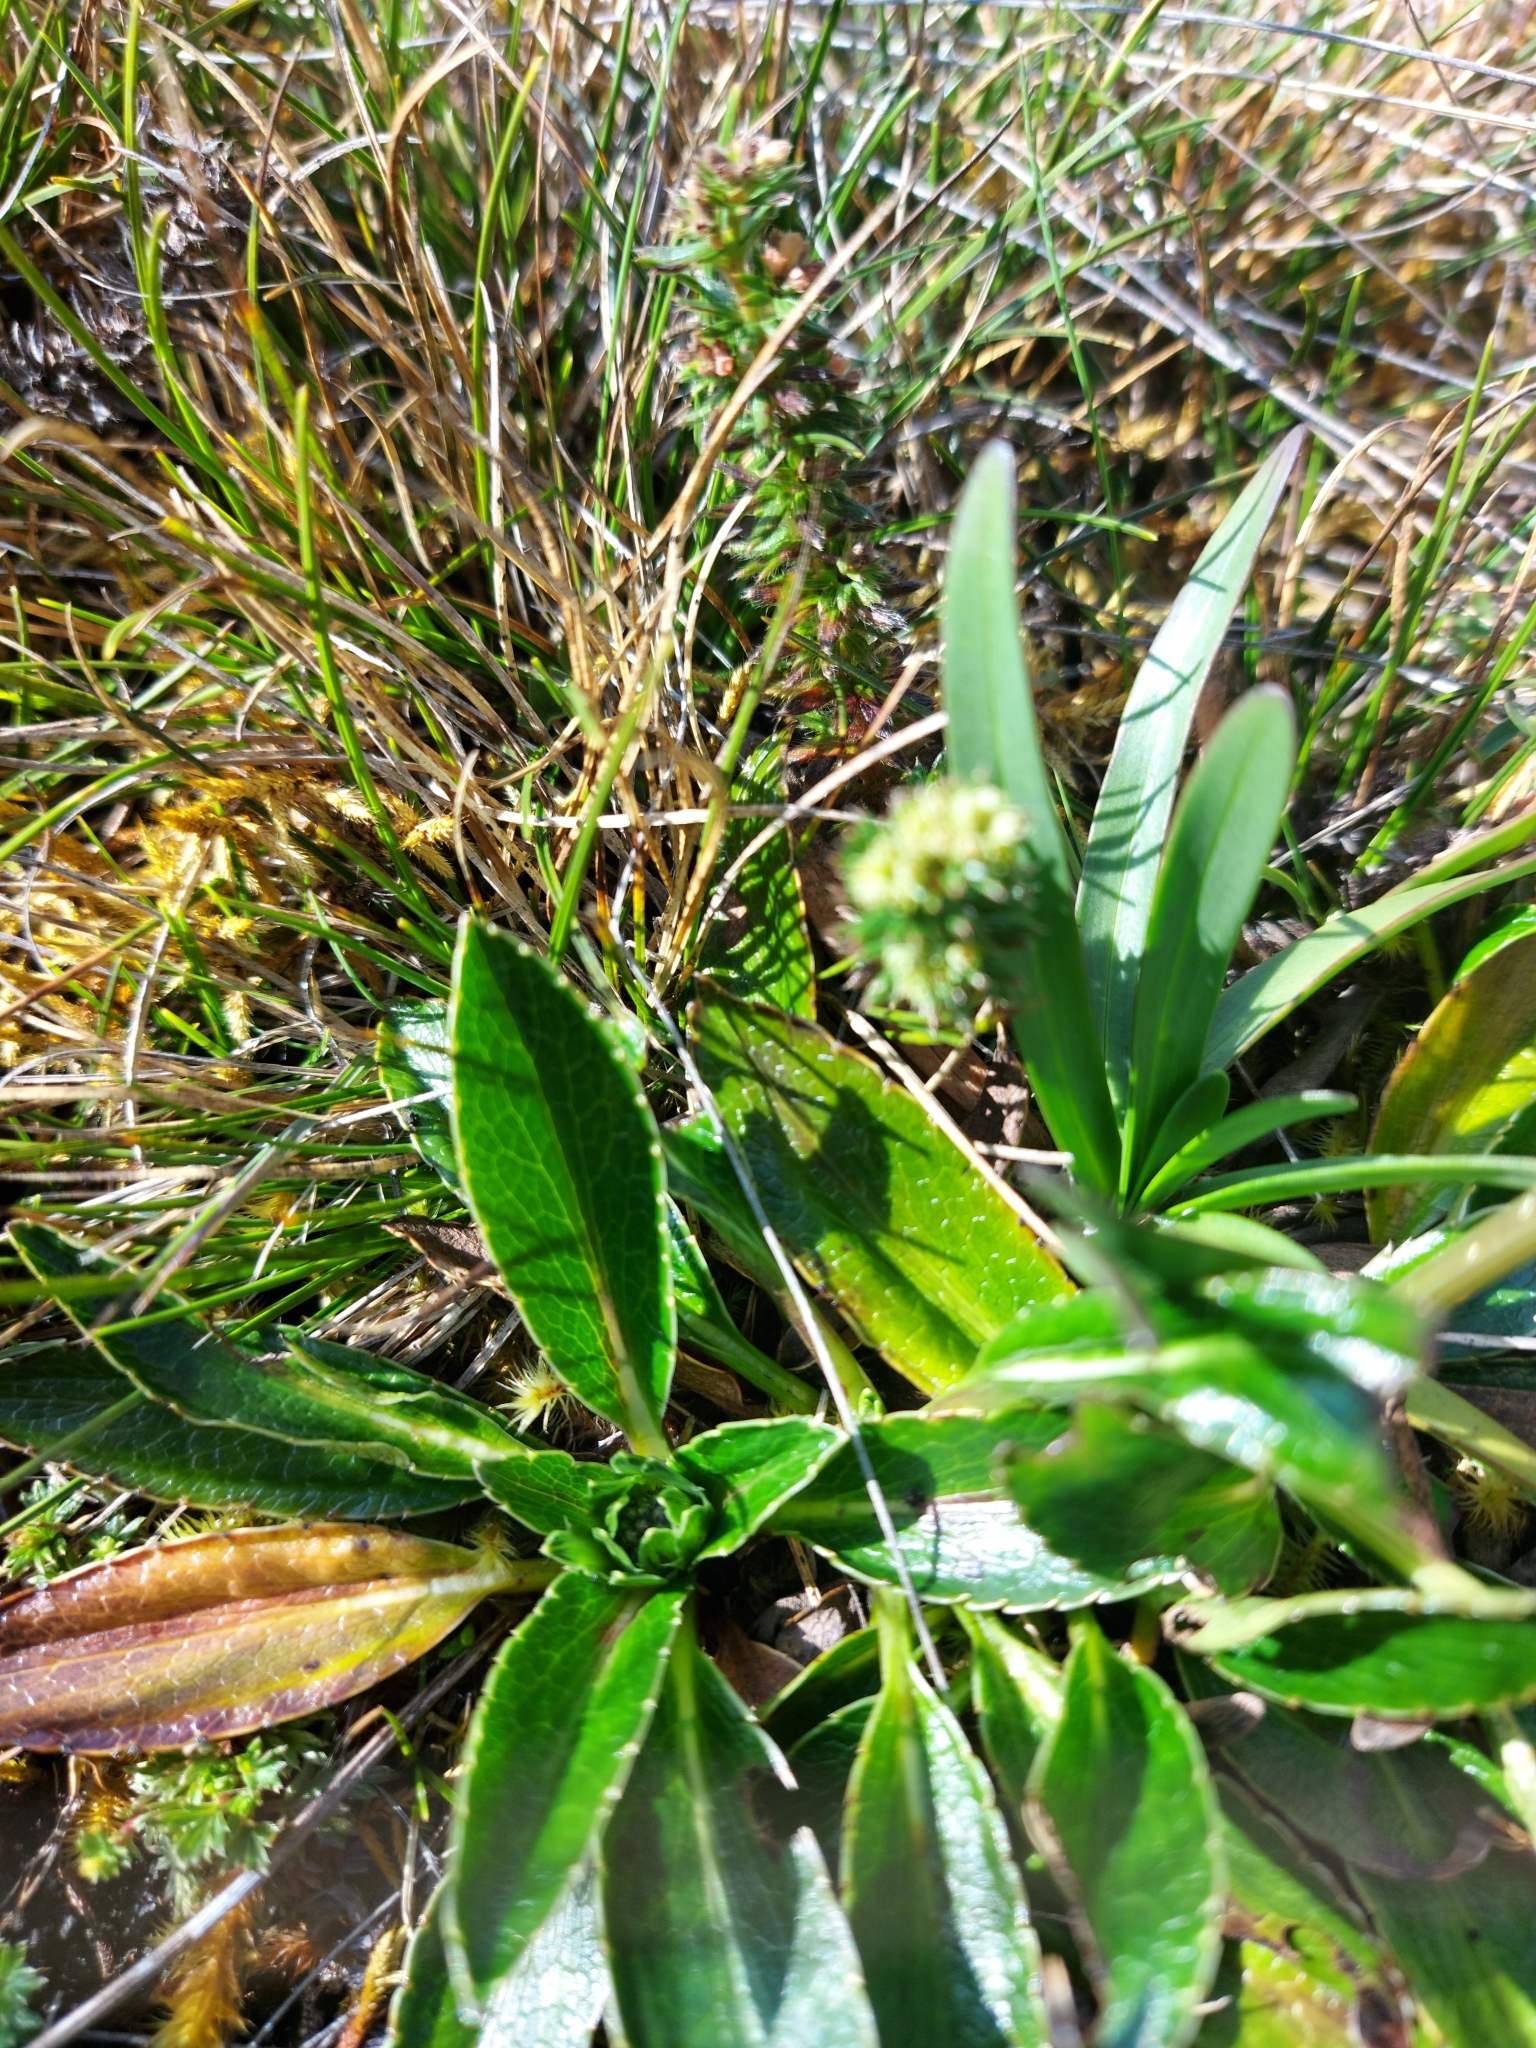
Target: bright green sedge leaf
[
  {"x": 1444, "y": 1095},
  {"x": 1125, "y": 842},
  {"x": 717, "y": 1936},
  {"x": 1125, "y": 1796},
  {"x": 1233, "y": 1133},
  {"x": 1119, "y": 1495},
  {"x": 933, "y": 1897},
  {"x": 562, "y": 1168},
  {"x": 1221, "y": 837},
  {"x": 874, "y": 1203},
  {"x": 550, "y": 1747},
  {"x": 993, "y": 737},
  {"x": 759, "y": 947},
  {"x": 1265, "y": 1184},
  {"x": 1259, "y": 999},
  {"x": 413, "y": 1063}
]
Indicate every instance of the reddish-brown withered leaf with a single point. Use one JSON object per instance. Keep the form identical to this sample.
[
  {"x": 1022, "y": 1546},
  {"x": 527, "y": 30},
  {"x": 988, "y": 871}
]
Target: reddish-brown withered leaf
[{"x": 217, "y": 1635}]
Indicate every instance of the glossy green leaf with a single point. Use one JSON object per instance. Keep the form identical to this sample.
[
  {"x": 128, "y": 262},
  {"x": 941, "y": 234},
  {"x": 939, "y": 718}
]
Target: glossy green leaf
[
  {"x": 549, "y": 1490},
  {"x": 704, "y": 1323},
  {"x": 552, "y": 1998},
  {"x": 562, "y": 1169},
  {"x": 874, "y": 1204},
  {"x": 433, "y": 1428},
  {"x": 1016, "y": 1696},
  {"x": 759, "y": 947},
  {"x": 1362, "y": 1330},
  {"x": 1244, "y": 1127},
  {"x": 551, "y": 1745},
  {"x": 1395, "y": 1667},
  {"x": 47, "y": 1394},
  {"x": 982, "y": 1554},
  {"x": 750, "y": 1469},
  {"x": 957, "y": 1543},
  {"x": 1259, "y": 999},
  {"x": 1126, "y": 1798},
  {"x": 1125, "y": 841},
  {"x": 933, "y": 1897},
  {"x": 1425, "y": 1849},
  {"x": 1201, "y": 1105},
  {"x": 1314, "y": 1434},
  {"x": 413, "y": 1063},
  {"x": 993, "y": 737},
  {"x": 1123, "y": 1497},
  {"x": 1266, "y": 1184},
  {"x": 1449, "y": 1092},
  {"x": 700, "y": 1173},
  {"x": 185, "y": 1364},
  {"x": 1222, "y": 835},
  {"x": 717, "y": 1936}
]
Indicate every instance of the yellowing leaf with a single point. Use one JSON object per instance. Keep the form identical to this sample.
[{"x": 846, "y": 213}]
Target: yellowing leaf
[{"x": 217, "y": 1635}]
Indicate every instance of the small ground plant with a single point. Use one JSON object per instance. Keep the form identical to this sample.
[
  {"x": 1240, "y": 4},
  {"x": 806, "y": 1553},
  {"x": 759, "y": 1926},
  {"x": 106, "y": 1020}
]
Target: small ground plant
[{"x": 767, "y": 1024}]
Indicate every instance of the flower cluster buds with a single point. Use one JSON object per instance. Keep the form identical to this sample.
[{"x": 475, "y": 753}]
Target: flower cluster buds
[{"x": 941, "y": 889}]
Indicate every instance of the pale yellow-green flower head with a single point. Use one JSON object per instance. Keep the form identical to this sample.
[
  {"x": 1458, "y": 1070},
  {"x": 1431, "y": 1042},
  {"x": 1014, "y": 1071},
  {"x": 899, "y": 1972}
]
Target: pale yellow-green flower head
[{"x": 941, "y": 888}]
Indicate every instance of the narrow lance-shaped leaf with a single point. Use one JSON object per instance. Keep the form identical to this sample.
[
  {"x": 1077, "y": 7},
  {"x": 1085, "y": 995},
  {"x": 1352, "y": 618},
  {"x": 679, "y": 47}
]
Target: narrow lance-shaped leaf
[
  {"x": 1259, "y": 999},
  {"x": 550, "y": 1748},
  {"x": 704, "y": 1323},
  {"x": 47, "y": 1394},
  {"x": 759, "y": 947},
  {"x": 415, "y": 1068},
  {"x": 562, "y": 1168},
  {"x": 1234, "y": 1133},
  {"x": 213, "y": 1636},
  {"x": 933, "y": 1897},
  {"x": 182, "y": 1362},
  {"x": 717, "y": 1936},
  {"x": 993, "y": 737},
  {"x": 1125, "y": 841},
  {"x": 552, "y": 1998},
  {"x": 874, "y": 1203},
  {"x": 1438, "y": 1098},
  {"x": 1123, "y": 1801},
  {"x": 1222, "y": 834}
]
